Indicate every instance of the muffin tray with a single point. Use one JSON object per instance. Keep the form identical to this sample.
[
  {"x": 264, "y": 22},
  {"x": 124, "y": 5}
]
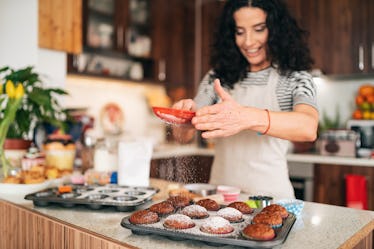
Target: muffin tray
[
  {"x": 123, "y": 198},
  {"x": 235, "y": 238}
]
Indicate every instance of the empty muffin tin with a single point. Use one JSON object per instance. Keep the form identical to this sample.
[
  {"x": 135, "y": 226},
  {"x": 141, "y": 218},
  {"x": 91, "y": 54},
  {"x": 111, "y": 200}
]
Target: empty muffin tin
[
  {"x": 123, "y": 198},
  {"x": 234, "y": 238}
]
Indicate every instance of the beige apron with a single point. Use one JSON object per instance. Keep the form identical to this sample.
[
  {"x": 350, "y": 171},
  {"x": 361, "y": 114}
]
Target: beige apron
[{"x": 255, "y": 163}]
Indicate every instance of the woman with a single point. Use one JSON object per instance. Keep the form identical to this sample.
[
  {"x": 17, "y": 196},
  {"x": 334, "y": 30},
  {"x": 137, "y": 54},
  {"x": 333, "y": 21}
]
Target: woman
[{"x": 266, "y": 98}]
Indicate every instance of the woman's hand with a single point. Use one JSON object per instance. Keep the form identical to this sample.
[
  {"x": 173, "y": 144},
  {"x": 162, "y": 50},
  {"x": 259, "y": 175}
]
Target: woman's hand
[
  {"x": 220, "y": 120},
  {"x": 185, "y": 104}
]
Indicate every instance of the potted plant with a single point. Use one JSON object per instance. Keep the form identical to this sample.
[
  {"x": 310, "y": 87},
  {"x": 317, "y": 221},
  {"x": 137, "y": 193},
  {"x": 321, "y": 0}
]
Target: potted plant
[{"x": 38, "y": 105}]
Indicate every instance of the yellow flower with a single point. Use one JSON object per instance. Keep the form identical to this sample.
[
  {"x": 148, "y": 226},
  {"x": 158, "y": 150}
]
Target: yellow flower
[
  {"x": 19, "y": 91},
  {"x": 10, "y": 89}
]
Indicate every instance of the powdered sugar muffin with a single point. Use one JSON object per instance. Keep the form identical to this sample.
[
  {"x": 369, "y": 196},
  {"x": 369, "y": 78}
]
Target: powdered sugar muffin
[
  {"x": 230, "y": 214},
  {"x": 178, "y": 221},
  {"x": 144, "y": 217},
  {"x": 216, "y": 225},
  {"x": 195, "y": 212}
]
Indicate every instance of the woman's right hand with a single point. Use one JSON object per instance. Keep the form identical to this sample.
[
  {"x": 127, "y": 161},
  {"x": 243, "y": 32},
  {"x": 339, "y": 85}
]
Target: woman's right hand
[{"x": 185, "y": 104}]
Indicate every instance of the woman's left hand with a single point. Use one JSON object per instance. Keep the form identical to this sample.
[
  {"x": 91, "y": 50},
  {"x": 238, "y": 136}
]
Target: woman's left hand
[{"x": 222, "y": 119}]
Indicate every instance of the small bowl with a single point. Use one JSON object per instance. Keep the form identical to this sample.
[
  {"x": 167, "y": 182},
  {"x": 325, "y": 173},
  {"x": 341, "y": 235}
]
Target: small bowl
[
  {"x": 292, "y": 205},
  {"x": 229, "y": 193},
  {"x": 201, "y": 189},
  {"x": 261, "y": 201}
]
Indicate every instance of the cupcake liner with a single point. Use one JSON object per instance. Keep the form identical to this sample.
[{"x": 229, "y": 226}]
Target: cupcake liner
[{"x": 292, "y": 205}]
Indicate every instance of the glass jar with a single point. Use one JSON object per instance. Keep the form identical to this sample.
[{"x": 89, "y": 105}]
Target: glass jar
[
  {"x": 60, "y": 152},
  {"x": 105, "y": 155}
]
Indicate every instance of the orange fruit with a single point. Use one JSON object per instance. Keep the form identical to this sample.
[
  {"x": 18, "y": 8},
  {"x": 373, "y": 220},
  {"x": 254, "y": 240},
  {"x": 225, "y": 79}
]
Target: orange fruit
[
  {"x": 370, "y": 99},
  {"x": 357, "y": 114},
  {"x": 366, "y": 90},
  {"x": 359, "y": 100}
]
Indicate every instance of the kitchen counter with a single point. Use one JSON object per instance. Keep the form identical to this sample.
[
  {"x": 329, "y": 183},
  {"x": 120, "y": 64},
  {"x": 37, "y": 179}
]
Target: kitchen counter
[
  {"x": 175, "y": 150},
  {"x": 320, "y": 226}
]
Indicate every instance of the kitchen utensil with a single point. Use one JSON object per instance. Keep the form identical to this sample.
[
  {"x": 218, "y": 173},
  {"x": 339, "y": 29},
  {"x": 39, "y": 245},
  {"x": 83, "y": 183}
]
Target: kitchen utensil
[
  {"x": 173, "y": 116},
  {"x": 201, "y": 189}
]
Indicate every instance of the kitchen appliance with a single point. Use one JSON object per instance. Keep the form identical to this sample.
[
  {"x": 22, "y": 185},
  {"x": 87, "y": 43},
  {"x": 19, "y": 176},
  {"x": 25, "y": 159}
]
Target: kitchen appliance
[
  {"x": 339, "y": 143},
  {"x": 365, "y": 128}
]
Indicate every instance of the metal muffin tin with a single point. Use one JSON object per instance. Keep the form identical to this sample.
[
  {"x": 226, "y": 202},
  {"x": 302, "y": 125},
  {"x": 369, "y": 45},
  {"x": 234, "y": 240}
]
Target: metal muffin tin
[
  {"x": 123, "y": 198},
  {"x": 235, "y": 238}
]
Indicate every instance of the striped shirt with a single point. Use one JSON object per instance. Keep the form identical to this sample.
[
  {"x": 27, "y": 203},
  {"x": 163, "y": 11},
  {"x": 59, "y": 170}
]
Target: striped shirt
[{"x": 294, "y": 88}]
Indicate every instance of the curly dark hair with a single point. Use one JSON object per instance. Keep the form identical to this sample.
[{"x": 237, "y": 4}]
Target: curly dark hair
[{"x": 287, "y": 45}]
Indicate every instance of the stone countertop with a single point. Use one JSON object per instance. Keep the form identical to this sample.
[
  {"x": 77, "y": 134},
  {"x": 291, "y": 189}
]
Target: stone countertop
[
  {"x": 319, "y": 226},
  {"x": 175, "y": 150}
]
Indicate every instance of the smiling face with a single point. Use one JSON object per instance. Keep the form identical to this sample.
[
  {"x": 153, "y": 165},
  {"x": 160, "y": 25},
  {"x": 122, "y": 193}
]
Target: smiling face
[{"x": 251, "y": 36}]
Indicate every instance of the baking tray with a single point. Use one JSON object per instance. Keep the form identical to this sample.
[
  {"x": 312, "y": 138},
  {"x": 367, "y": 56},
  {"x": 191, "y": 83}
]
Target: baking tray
[
  {"x": 123, "y": 198},
  {"x": 235, "y": 238}
]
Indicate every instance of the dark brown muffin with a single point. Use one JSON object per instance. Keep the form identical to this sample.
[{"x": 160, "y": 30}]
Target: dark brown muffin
[
  {"x": 241, "y": 206},
  {"x": 144, "y": 217},
  {"x": 162, "y": 208},
  {"x": 195, "y": 212},
  {"x": 209, "y": 204},
  {"x": 258, "y": 232},
  {"x": 276, "y": 208},
  {"x": 178, "y": 221},
  {"x": 179, "y": 201},
  {"x": 272, "y": 219},
  {"x": 216, "y": 225},
  {"x": 230, "y": 214}
]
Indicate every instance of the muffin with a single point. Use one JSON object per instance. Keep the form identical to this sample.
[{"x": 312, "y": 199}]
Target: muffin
[
  {"x": 162, "y": 208},
  {"x": 241, "y": 206},
  {"x": 178, "y": 221},
  {"x": 144, "y": 217},
  {"x": 230, "y": 214},
  {"x": 271, "y": 219},
  {"x": 258, "y": 232},
  {"x": 276, "y": 208},
  {"x": 216, "y": 225},
  {"x": 209, "y": 204},
  {"x": 195, "y": 212},
  {"x": 179, "y": 201}
]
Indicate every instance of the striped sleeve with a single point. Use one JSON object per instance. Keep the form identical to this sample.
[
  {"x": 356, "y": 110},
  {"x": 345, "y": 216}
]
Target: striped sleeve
[
  {"x": 303, "y": 89},
  {"x": 205, "y": 93}
]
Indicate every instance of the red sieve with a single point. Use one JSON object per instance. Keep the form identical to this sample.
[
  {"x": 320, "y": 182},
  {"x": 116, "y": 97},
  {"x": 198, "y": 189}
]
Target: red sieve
[{"x": 173, "y": 116}]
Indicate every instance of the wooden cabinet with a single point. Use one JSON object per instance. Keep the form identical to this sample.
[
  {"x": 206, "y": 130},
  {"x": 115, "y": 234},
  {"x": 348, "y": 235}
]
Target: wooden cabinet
[
  {"x": 117, "y": 40},
  {"x": 329, "y": 183},
  {"x": 341, "y": 34},
  {"x": 60, "y": 25},
  {"x": 184, "y": 169}
]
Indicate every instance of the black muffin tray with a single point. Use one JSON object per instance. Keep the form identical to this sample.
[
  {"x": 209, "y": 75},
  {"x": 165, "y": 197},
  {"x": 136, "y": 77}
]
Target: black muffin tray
[
  {"x": 122, "y": 198},
  {"x": 235, "y": 238}
]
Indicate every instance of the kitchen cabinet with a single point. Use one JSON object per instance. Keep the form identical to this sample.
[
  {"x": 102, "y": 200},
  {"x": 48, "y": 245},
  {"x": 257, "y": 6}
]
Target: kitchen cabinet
[
  {"x": 60, "y": 25},
  {"x": 341, "y": 34},
  {"x": 329, "y": 183},
  {"x": 183, "y": 169},
  {"x": 117, "y": 40}
]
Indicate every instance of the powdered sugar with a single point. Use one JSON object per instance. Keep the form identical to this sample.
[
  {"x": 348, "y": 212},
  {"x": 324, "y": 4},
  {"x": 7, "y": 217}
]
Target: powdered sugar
[
  {"x": 180, "y": 218},
  {"x": 229, "y": 212},
  {"x": 194, "y": 209},
  {"x": 216, "y": 222}
]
